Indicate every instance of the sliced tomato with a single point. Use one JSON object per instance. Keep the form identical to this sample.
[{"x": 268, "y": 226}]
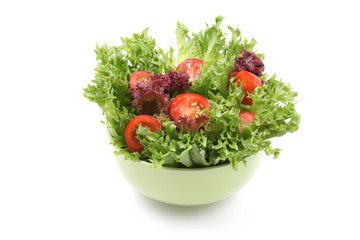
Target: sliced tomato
[
  {"x": 251, "y": 81},
  {"x": 191, "y": 67},
  {"x": 130, "y": 131},
  {"x": 247, "y": 118},
  {"x": 137, "y": 77},
  {"x": 188, "y": 105}
]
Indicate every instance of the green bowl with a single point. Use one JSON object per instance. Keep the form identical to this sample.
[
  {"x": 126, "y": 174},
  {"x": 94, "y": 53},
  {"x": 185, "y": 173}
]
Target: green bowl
[{"x": 188, "y": 186}]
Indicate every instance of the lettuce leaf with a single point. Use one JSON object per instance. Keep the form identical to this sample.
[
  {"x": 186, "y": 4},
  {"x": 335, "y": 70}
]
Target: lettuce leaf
[
  {"x": 218, "y": 55},
  {"x": 274, "y": 107},
  {"x": 220, "y": 140},
  {"x": 110, "y": 88}
]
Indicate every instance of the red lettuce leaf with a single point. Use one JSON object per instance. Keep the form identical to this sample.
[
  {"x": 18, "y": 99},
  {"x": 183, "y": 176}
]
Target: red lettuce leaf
[
  {"x": 178, "y": 82},
  {"x": 249, "y": 62},
  {"x": 150, "y": 97},
  {"x": 192, "y": 124},
  {"x": 153, "y": 96}
]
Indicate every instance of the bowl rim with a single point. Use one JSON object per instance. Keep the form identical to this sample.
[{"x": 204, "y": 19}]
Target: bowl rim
[
  {"x": 187, "y": 169},
  {"x": 192, "y": 169}
]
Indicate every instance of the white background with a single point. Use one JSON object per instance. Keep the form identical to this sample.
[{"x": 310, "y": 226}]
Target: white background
[{"x": 58, "y": 179}]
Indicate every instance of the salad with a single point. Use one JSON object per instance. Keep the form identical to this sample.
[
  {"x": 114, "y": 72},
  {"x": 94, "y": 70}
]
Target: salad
[{"x": 211, "y": 104}]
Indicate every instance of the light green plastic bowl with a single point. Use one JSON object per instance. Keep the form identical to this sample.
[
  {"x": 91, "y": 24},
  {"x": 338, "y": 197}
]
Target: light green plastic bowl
[{"x": 188, "y": 186}]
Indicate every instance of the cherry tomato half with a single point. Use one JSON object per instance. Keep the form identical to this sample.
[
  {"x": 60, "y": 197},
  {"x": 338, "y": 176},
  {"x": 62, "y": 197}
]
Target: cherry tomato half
[
  {"x": 137, "y": 77},
  {"x": 251, "y": 81},
  {"x": 130, "y": 131},
  {"x": 189, "y": 105},
  {"x": 247, "y": 118},
  {"x": 191, "y": 67}
]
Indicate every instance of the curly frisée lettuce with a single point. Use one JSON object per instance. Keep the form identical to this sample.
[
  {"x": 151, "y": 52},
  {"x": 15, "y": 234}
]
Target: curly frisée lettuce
[{"x": 220, "y": 140}]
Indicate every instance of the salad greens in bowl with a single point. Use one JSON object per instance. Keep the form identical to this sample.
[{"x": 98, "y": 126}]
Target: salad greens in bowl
[{"x": 212, "y": 107}]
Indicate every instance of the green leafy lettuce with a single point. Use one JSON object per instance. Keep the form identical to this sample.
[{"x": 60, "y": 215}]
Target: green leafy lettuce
[
  {"x": 220, "y": 140},
  {"x": 111, "y": 84}
]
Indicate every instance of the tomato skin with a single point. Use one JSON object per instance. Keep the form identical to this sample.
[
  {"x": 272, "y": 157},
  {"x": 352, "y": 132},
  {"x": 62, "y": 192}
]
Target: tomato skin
[
  {"x": 137, "y": 77},
  {"x": 247, "y": 118},
  {"x": 130, "y": 131},
  {"x": 251, "y": 81},
  {"x": 191, "y": 67},
  {"x": 188, "y": 104}
]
